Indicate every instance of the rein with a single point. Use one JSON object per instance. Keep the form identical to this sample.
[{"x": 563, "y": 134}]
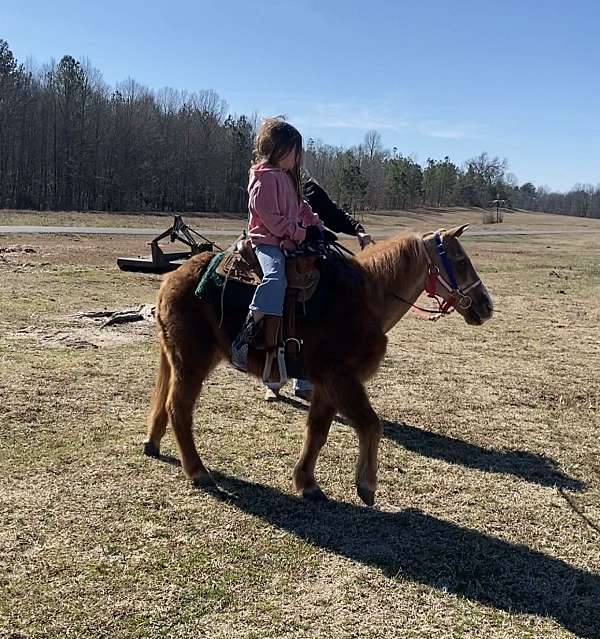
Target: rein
[{"x": 434, "y": 276}]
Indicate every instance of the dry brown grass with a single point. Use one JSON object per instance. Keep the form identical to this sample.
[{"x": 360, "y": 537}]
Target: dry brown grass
[{"x": 490, "y": 448}]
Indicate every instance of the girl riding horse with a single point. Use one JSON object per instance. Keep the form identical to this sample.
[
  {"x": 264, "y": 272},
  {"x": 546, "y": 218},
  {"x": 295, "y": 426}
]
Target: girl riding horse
[{"x": 278, "y": 220}]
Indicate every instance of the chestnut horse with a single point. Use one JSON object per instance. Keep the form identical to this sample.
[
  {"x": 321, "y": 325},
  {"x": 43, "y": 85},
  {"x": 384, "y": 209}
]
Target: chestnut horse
[{"x": 341, "y": 351}]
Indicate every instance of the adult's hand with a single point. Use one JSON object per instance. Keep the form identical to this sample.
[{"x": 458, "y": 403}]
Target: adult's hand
[{"x": 364, "y": 239}]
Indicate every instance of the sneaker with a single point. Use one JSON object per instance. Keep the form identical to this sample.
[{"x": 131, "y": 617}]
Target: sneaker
[{"x": 271, "y": 395}]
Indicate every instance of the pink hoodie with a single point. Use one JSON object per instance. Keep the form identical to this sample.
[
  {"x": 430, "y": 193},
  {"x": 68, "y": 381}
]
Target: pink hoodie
[{"x": 274, "y": 213}]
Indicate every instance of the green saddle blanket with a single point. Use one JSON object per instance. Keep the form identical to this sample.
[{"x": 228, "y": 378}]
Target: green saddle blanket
[
  {"x": 211, "y": 288},
  {"x": 210, "y": 278}
]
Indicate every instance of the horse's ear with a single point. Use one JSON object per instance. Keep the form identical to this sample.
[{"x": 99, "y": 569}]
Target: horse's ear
[{"x": 457, "y": 231}]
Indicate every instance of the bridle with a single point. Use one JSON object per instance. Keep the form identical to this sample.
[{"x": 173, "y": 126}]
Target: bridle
[{"x": 458, "y": 297}]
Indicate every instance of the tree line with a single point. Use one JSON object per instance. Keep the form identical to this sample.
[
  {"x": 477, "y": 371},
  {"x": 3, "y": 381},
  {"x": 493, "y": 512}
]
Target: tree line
[{"x": 69, "y": 141}]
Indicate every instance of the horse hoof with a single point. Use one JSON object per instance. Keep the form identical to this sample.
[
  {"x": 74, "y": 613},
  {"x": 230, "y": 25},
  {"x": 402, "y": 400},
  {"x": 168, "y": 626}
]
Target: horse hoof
[
  {"x": 366, "y": 494},
  {"x": 203, "y": 480},
  {"x": 315, "y": 495},
  {"x": 151, "y": 449}
]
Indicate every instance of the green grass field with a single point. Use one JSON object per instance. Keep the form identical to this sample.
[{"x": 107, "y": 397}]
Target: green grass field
[{"x": 487, "y": 517}]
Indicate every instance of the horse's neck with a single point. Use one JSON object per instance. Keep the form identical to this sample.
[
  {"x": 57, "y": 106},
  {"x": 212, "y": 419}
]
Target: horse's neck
[
  {"x": 400, "y": 283},
  {"x": 395, "y": 309}
]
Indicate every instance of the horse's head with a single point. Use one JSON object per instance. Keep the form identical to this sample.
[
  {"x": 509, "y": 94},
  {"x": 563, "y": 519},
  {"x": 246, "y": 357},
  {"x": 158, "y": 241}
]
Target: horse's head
[{"x": 453, "y": 277}]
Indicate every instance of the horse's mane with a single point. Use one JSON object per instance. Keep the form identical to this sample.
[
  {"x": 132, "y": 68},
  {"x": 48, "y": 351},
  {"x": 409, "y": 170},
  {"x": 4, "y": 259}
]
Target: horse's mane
[{"x": 385, "y": 259}]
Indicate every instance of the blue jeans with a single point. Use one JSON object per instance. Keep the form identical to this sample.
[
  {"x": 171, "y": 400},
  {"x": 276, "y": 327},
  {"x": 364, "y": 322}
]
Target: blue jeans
[{"x": 270, "y": 293}]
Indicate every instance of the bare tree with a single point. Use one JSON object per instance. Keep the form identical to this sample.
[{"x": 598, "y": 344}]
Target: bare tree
[{"x": 68, "y": 140}]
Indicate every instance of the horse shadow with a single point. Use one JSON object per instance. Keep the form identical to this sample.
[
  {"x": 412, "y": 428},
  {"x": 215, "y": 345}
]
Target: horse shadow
[
  {"x": 413, "y": 545},
  {"x": 534, "y": 468}
]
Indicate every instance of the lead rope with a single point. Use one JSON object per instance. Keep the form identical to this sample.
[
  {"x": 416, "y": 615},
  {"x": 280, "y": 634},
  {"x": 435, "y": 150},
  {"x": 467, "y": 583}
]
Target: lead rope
[{"x": 429, "y": 314}]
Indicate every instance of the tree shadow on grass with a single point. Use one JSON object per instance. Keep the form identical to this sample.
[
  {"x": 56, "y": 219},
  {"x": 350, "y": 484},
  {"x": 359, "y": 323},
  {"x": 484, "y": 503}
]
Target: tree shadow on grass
[
  {"x": 414, "y": 546},
  {"x": 532, "y": 467}
]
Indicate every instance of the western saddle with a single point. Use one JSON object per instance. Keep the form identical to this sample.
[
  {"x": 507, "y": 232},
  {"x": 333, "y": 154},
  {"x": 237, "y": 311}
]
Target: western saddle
[{"x": 279, "y": 337}]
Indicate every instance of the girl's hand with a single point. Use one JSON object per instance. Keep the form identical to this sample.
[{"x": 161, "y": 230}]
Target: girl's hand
[
  {"x": 364, "y": 239},
  {"x": 313, "y": 234}
]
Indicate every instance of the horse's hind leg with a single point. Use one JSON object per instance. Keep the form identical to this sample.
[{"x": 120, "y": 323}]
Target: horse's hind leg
[
  {"x": 158, "y": 417},
  {"x": 318, "y": 424},
  {"x": 353, "y": 402},
  {"x": 185, "y": 386}
]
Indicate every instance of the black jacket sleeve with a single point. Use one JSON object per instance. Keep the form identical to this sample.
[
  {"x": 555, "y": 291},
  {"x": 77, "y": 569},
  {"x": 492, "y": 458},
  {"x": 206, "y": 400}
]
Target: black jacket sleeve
[{"x": 332, "y": 216}]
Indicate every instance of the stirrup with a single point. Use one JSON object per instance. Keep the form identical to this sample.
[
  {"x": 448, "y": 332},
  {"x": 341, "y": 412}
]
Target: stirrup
[{"x": 277, "y": 355}]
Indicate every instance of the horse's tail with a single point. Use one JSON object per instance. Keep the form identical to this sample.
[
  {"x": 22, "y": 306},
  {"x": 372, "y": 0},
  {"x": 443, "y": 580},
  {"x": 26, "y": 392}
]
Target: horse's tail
[
  {"x": 163, "y": 379},
  {"x": 158, "y": 403}
]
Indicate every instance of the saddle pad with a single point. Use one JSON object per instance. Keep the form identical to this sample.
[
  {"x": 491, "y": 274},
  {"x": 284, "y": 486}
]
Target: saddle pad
[
  {"x": 235, "y": 296},
  {"x": 209, "y": 279}
]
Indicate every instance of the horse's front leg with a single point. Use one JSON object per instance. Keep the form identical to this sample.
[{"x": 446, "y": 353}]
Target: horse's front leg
[
  {"x": 318, "y": 424},
  {"x": 353, "y": 402}
]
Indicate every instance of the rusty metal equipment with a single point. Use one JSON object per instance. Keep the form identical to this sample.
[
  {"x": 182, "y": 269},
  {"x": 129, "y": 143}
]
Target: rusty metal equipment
[{"x": 161, "y": 261}]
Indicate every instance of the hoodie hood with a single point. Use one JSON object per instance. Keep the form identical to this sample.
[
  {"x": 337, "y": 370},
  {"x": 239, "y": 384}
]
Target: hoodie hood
[
  {"x": 261, "y": 169},
  {"x": 265, "y": 167}
]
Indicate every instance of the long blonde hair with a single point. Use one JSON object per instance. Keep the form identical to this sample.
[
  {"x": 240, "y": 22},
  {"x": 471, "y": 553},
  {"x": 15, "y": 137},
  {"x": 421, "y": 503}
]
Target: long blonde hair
[{"x": 274, "y": 140}]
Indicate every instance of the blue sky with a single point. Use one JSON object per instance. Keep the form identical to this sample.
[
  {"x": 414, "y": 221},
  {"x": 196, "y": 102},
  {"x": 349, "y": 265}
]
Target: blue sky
[{"x": 516, "y": 79}]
